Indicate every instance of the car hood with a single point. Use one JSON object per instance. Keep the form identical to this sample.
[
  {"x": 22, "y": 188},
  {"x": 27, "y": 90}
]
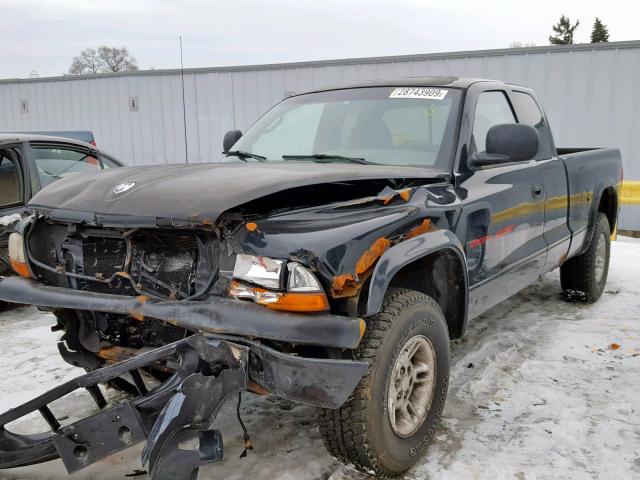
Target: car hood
[{"x": 200, "y": 192}]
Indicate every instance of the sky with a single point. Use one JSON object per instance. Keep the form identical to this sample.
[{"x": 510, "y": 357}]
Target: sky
[{"x": 43, "y": 36}]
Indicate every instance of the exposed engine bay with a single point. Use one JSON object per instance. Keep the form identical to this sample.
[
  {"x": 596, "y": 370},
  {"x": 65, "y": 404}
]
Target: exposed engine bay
[{"x": 194, "y": 261}]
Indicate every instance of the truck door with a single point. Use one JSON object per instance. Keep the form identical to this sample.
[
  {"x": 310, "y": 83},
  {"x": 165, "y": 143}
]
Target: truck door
[
  {"x": 504, "y": 215},
  {"x": 554, "y": 178},
  {"x": 13, "y": 191}
]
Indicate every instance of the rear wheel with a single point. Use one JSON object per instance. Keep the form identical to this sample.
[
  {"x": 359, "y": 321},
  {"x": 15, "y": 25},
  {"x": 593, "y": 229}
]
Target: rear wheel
[
  {"x": 389, "y": 419},
  {"x": 583, "y": 277}
]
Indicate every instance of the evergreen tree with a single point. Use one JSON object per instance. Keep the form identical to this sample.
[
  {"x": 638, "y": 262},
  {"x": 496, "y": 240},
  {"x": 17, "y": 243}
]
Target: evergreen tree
[
  {"x": 563, "y": 32},
  {"x": 600, "y": 32}
]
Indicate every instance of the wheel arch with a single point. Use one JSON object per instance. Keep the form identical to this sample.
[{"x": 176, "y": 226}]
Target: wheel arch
[
  {"x": 608, "y": 204},
  {"x": 433, "y": 263}
]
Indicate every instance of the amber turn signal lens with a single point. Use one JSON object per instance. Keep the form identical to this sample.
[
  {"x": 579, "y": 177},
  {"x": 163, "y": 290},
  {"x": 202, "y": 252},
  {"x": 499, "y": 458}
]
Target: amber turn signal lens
[
  {"x": 21, "y": 269},
  {"x": 289, "y": 301},
  {"x": 300, "y": 302},
  {"x": 17, "y": 255}
]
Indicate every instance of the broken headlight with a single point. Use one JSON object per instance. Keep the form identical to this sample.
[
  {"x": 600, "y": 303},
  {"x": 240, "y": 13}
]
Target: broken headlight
[
  {"x": 263, "y": 271},
  {"x": 303, "y": 292}
]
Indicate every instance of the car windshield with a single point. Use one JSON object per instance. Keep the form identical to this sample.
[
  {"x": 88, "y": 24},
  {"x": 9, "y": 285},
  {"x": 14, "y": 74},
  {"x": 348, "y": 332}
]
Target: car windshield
[
  {"x": 382, "y": 125},
  {"x": 56, "y": 162}
]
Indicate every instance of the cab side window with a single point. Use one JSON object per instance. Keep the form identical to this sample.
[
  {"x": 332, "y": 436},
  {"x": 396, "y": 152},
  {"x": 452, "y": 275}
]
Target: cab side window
[
  {"x": 492, "y": 109},
  {"x": 529, "y": 113},
  {"x": 10, "y": 185}
]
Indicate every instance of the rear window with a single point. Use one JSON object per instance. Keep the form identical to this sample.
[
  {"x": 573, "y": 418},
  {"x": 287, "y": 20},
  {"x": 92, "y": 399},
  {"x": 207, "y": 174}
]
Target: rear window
[{"x": 529, "y": 113}]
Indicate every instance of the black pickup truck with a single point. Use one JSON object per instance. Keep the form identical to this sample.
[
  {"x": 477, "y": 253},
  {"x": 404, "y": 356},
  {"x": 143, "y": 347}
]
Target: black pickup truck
[
  {"x": 30, "y": 162},
  {"x": 345, "y": 239}
]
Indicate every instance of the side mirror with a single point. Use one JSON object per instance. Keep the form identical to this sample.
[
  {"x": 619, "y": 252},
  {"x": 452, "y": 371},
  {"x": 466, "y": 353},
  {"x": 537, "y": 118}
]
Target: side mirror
[
  {"x": 508, "y": 142},
  {"x": 230, "y": 139}
]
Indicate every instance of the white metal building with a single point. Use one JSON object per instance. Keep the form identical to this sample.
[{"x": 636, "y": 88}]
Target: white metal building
[{"x": 591, "y": 93}]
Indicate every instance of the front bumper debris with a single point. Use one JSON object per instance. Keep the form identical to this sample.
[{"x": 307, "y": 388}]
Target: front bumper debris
[
  {"x": 218, "y": 315},
  {"x": 176, "y": 416}
]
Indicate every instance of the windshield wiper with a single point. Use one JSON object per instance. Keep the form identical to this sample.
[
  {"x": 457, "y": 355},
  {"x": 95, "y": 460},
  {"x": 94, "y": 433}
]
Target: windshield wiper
[
  {"x": 242, "y": 155},
  {"x": 328, "y": 157}
]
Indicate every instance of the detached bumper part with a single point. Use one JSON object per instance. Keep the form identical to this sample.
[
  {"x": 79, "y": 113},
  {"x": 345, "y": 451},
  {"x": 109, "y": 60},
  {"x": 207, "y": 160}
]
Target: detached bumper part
[
  {"x": 317, "y": 382},
  {"x": 218, "y": 315},
  {"x": 178, "y": 413},
  {"x": 91, "y": 439}
]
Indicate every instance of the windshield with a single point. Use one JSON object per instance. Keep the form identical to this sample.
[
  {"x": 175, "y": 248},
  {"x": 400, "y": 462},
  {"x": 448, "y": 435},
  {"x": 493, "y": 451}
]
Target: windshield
[
  {"x": 57, "y": 161},
  {"x": 384, "y": 125}
]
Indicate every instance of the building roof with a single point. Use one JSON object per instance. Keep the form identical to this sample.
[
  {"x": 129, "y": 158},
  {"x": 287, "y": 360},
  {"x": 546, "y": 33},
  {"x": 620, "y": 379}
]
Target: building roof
[{"x": 341, "y": 61}]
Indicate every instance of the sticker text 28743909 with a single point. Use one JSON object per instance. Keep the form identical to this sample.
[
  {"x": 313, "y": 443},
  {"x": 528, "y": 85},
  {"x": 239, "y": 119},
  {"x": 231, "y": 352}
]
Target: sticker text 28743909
[{"x": 428, "y": 93}]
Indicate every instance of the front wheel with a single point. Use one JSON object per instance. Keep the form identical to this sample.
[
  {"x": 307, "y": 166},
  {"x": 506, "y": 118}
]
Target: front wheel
[
  {"x": 389, "y": 419},
  {"x": 583, "y": 277}
]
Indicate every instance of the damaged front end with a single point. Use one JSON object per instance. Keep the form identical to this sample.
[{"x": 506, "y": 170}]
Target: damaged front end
[
  {"x": 268, "y": 297},
  {"x": 136, "y": 302},
  {"x": 175, "y": 417}
]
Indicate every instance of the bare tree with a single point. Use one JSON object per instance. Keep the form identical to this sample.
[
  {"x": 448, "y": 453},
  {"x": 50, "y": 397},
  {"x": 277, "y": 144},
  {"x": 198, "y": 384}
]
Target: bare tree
[
  {"x": 103, "y": 60},
  {"x": 518, "y": 44},
  {"x": 117, "y": 59},
  {"x": 85, "y": 63}
]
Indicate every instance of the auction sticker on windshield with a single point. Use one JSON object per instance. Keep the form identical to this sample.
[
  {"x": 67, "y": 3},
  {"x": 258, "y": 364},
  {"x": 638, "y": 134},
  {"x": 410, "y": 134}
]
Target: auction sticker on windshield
[{"x": 428, "y": 93}]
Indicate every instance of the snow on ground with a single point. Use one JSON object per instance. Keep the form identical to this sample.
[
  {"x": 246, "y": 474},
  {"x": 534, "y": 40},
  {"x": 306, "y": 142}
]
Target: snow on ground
[{"x": 540, "y": 390}]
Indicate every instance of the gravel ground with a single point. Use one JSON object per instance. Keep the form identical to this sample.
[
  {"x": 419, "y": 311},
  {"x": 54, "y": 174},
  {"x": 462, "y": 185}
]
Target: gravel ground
[{"x": 541, "y": 389}]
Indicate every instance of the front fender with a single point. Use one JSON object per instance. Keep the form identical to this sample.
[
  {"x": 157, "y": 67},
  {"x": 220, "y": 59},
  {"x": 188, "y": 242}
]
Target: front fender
[{"x": 406, "y": 252}]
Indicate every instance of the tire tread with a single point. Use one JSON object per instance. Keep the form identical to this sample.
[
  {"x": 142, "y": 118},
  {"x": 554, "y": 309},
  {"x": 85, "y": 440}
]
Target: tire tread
[
  {"x": 345, "y": 431},
  {"x": 576, "y": 274}
]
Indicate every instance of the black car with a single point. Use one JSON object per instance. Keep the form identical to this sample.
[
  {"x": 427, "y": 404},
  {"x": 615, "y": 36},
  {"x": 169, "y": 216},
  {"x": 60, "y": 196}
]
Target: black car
[
  {"x": 350, "y": 234},
  {"x": 30, "y": 162}
]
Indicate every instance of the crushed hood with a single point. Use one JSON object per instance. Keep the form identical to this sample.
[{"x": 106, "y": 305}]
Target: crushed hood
[{"x": 200, "y": 192}]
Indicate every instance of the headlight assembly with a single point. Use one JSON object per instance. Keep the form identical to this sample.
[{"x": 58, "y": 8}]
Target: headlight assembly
[
  {"x": 263, "y": 271},
  {"x": 303, "y": 292},
  {"x": 301, "y": 279},
  {"x": 18, "y": 256}
]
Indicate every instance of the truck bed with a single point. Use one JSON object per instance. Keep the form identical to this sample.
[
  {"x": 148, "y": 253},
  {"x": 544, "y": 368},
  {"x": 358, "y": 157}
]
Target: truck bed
[{"x": 586, "y": 167}]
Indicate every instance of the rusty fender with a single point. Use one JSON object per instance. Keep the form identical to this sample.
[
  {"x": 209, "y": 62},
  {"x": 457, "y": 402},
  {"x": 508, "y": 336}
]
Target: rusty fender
[{"x": 409, "y": 251}]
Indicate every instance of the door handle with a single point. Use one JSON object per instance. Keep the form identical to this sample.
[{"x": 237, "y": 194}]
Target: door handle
[{"x": 536, "y": 190}]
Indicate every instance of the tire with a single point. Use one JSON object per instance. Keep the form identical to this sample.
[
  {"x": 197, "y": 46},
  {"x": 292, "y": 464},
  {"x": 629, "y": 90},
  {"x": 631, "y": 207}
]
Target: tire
[
  {"x": 361, "y": 432},
  {"x": 584, "y": 277}
]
